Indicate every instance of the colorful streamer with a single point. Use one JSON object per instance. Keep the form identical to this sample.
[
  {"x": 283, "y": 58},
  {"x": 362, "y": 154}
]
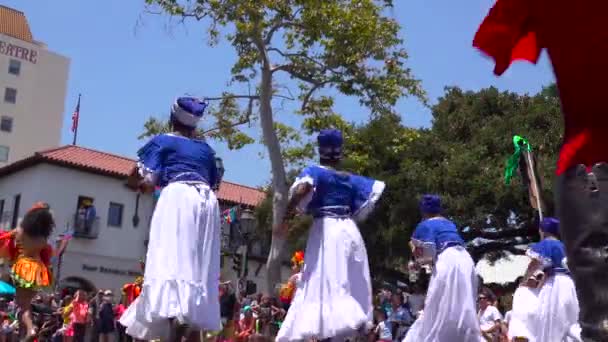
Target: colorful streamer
[{"x": 513, "y": 161}]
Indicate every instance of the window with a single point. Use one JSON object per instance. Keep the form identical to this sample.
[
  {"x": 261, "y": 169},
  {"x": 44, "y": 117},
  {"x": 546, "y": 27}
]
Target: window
[
  {"x": 10, "y": 95},
  {"x": 14, "y": 67},
  {"x": 85, "y": 220},
  {"x": 16, "y": 205},
  {"x": 4, "y": 153},
  {"x": 6, "y": 124},
  {"x": 115, "y": 214}
]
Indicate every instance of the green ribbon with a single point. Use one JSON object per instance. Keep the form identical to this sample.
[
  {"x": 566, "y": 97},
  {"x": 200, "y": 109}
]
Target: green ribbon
[{"x": 513, "y": 161}]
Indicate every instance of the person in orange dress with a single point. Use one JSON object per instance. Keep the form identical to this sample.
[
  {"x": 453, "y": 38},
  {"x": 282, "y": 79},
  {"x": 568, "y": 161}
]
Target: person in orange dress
[
  {"x": 131, "y": 291},
  {"x": 30, "y": 252},
  {"x": 288, "y": 290},
  {"x": 574, "y": 33}
]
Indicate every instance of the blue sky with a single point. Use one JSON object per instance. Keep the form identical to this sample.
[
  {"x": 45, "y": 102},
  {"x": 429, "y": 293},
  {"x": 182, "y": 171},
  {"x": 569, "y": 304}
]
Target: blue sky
[{"x": 129, "y": 66}]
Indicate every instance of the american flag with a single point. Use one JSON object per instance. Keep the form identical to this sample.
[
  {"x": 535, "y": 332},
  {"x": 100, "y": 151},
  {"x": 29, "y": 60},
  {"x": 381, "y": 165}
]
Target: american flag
[{"x": 75, "y": 116}]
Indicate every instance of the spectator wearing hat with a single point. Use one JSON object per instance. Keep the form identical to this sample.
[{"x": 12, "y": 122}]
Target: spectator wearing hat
[{"x": 105, "y": 321}]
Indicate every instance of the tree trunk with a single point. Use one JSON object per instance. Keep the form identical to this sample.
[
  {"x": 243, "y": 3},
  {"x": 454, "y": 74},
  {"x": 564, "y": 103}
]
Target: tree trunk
[{"x": 279, "y": 179}]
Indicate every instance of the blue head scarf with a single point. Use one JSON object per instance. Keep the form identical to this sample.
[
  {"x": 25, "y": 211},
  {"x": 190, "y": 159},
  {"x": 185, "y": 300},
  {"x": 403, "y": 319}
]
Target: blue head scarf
[
  {"x": 430, "y": 204},
  {"x": 550, "y": 225},
  {"x": 188, "y": 111},
  {"x": 330, "y": 144}
]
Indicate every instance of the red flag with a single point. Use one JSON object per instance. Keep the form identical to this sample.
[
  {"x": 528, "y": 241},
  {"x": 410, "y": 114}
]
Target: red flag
[{"x": 75, "y": 116}]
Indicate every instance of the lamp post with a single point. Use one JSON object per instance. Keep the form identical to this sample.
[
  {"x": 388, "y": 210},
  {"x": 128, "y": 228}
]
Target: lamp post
[
  {"x": 219, "y": 165},
  {"x": 246, "y": 225}
]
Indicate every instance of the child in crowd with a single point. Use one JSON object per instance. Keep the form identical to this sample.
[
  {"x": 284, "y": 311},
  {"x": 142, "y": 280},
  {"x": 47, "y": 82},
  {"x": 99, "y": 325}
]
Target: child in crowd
[{"x": 383, "y": 328}]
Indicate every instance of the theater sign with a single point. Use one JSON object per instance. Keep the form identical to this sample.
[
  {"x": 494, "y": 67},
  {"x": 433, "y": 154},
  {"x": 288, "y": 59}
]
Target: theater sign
[{"x": 19, "y": 52}]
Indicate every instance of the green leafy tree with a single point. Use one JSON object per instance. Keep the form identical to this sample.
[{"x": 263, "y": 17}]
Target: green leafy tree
[
  {"x": 462, "y": 158},
  {"x": 322, "y": 47}
]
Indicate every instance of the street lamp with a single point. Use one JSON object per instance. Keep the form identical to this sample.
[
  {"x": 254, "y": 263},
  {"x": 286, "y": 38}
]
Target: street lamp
[
  {"x": 219, "y": 165},
  {"x": 247, "y": 221},
  {"x": 246, "y": 225}
]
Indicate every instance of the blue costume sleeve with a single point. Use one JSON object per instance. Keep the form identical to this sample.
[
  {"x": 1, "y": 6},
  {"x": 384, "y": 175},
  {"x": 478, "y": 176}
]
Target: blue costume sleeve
[
  {"x": 424, "y": 239},
  {"x": 551, "y": 253},
  {"x": 424, "y": 235},
  {"x": 151, "y": 158},
  {"x": 307, "y": 176},
  {"x": 367, "y": 193}
]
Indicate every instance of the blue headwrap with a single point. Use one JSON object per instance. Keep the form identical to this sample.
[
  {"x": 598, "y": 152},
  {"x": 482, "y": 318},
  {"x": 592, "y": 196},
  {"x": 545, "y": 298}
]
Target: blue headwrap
[
  {"x": 430, "y": 204},
  {"x": 188, "y": 111},
  {"x": 330, "y": 144},
  {"x": 550, "y": 225}
]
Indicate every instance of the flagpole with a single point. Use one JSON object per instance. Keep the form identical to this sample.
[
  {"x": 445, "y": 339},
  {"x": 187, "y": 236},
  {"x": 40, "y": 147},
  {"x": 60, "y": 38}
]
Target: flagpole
[{"x": 77, "y": 118}]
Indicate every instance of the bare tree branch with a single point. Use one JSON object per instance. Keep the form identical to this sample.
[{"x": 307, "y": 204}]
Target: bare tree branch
[
  {"x": 245, "y": 119},
  {"x": 309, "y": 94},
  {"x": 279, "y": 23},
  {"x": 250, "y": 97}
]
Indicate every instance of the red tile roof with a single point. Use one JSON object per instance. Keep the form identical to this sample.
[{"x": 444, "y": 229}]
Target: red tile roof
[
  {"x": 119, "y": 167},
  {"x": 13, "y": 23}
]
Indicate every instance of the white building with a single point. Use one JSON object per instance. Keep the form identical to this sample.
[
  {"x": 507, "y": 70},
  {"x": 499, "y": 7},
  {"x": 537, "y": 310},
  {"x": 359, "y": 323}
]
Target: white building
[
  {"x": 108, "y": 255},
  {"x": 33, "y": 82}
]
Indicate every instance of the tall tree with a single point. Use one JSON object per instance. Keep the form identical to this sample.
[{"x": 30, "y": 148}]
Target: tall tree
[
  {"x": 324, "y": 47},
  {"x": 461, "y": 157}
]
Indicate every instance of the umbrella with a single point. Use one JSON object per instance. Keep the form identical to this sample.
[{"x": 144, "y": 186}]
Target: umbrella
[{"x": 6, "y": 288}]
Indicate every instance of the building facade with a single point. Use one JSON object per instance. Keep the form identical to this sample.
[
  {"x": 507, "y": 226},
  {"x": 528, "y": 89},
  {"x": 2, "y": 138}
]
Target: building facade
[
  {"x": 106, "y": 254},
  {"x": 33, "y": 82}
]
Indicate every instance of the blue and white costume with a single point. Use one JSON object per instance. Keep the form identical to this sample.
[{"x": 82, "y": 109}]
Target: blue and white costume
[
  {"x": 181, "y": 279},
  {"x": 548, "y": 313},
  {"x": 334, "y": 298},
  {"x": 450, "y": 306}
]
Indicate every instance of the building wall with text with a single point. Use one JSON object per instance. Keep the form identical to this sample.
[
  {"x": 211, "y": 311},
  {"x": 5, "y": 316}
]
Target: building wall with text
[{"x": 33, "y": 83}]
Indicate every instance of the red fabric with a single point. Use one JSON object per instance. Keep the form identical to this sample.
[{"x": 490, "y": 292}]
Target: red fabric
[
  {"x": 575, "y": 35},
  {"x": 7, "y": 244},
  {"x": 119, "y": 310},
  {"x": 507, "y": 35},
  {"x": 132, "y": 291}
]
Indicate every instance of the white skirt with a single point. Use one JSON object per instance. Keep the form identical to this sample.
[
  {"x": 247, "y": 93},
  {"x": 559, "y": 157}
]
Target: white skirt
[
  {"x": 449, "y": 308},
  {"x": 546, "y": 314},
  {"x": 334, "y": 298},
  {"x": 181, "y": 279}
]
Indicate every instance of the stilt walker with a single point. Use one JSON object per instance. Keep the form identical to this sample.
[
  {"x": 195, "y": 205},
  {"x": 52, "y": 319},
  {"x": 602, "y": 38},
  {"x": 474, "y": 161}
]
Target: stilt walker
[
  {"x": 545, "y": 306},
  {"x": 449, "y": 308},
  {"x": 181, "y": 278},
  {"x": 575, "y": 35},
  {"x": 334, "y": 299}
]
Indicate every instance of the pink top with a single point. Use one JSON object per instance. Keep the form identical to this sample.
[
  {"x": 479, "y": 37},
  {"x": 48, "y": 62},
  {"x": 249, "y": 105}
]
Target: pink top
[
  {"x": 119, "y": 310},
  {"x": 79, "y": 312}
]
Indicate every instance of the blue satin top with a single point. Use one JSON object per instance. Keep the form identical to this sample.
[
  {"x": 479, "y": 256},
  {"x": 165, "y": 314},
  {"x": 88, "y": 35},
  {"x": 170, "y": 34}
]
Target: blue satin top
[
  {"x": 551, "y": 253},
  {"x": 337, "y": 193},
  {"x": 437, "y": 234},
  {"x": 171, "y": 158}
]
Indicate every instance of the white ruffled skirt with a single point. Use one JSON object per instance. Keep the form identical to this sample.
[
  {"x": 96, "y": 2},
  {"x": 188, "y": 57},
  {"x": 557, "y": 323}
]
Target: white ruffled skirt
[
  {"x": 181, "y": 279},
  {"x": 334, "y": 298},
  {"x": 546, "y": 314},
  {"x": 449, "y": 309}
]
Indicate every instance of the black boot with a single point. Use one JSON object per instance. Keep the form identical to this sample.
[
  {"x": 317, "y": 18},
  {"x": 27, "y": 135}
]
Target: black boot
[{"x": 582, "y": 203}]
